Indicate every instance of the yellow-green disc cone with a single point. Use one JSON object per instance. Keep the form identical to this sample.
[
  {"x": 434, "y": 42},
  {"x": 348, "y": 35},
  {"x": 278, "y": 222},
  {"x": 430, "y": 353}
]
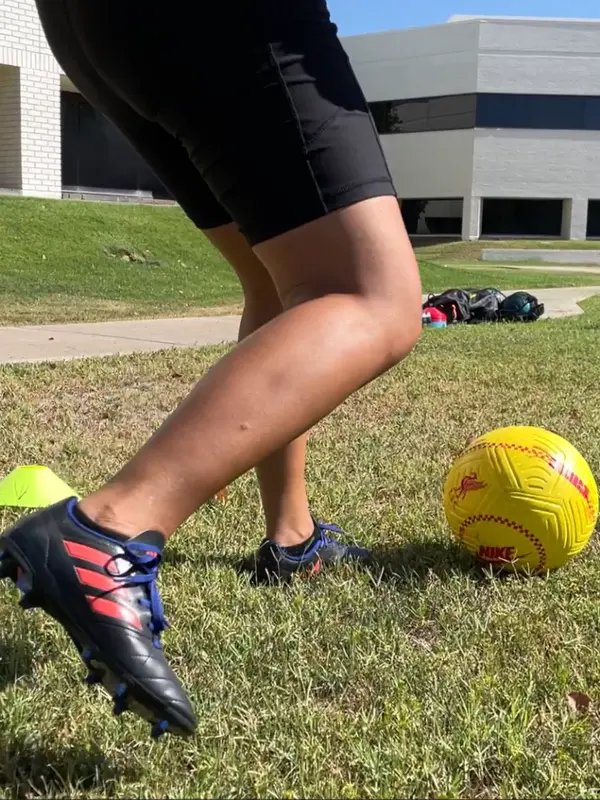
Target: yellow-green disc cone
[{"x": 33, "y": 487}]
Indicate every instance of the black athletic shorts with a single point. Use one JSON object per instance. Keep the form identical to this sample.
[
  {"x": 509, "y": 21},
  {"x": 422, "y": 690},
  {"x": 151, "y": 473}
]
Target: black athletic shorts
[{"x": 246, "y": 110}]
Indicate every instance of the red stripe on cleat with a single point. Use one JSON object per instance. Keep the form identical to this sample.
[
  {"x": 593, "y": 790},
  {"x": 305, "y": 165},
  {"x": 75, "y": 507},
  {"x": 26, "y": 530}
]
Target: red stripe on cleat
[
  {"x": 95, "y": 579},
  {"x": 85, "y": 553},
  {"x": 316, "y": 567},
  {"x": 109, "y": 608}
]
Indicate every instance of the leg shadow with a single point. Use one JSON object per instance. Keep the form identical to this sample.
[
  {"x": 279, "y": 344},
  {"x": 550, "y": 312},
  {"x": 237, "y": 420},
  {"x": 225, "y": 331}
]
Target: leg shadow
[
  {"x": 29, "y": 768},
  {"x": 16, "y": 659}
]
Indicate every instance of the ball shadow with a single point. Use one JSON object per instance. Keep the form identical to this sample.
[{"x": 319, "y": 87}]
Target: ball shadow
[{"x": 417, "y": 562}]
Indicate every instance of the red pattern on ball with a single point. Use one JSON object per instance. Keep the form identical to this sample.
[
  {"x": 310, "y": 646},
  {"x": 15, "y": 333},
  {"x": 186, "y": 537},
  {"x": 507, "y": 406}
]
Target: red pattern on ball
[
  {"x": 540, "y": 549},
  {"x": 536, "y": 452}
]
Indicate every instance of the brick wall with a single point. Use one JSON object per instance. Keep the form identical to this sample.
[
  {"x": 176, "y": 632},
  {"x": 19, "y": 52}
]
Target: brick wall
[
  {"x": 22, "y": 40},
  {"x": 30, "y": 154},
  {"x": 40, "y": 133},
  {"x": 10, "y": 128}
]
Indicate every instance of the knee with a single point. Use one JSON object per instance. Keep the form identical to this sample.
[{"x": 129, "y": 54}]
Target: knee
[
  {"x": 398, "y": 321},
  {"x": 388, "y": 323}
]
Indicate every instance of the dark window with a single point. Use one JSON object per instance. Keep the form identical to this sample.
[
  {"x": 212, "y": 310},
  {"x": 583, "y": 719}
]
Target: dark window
[
  {"x": 440, "y": 217},
  {"x": 593, "y": 223},
  {"x": 591, "y": 119},
  {"x": 453, "y": 112},
  {"x": 456, "y": 112},
  {"x": 96, "y": 155},
  {"x": 509, "y": 217},
  {"x": 550, "y": 112}
]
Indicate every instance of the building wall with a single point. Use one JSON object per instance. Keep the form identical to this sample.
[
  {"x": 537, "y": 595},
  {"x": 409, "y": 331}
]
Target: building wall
[
  {"x": 22, "y": 40},
  {"x": 10, "y": 128},
  {"x": 509, "y": 56},
  {"x": 436, "y": 164},
  {"x": 418, "y": 62},
  {"x": 422, "y": 62},
  {"x": 539, "y": 57},
  {"x": 30, "y": 94},
  {"x": 536, "y": 164}
]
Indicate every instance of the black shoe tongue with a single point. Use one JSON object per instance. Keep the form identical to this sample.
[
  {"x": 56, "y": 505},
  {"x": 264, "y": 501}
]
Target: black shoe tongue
[{"x": 153, "y": 539}]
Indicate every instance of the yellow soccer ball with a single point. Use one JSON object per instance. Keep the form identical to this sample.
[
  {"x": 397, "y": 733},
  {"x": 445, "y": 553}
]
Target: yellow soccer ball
[{"x": 522, "y": 497}]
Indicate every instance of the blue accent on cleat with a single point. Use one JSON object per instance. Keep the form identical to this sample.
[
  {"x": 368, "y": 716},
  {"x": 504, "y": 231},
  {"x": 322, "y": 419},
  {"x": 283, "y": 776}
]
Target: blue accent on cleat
[
  {"x": 22, "y": 584},
  {"x": 159, "y": 728},
  {"x": 86, "y": 656},
  {"x": 120, "y": 699}
]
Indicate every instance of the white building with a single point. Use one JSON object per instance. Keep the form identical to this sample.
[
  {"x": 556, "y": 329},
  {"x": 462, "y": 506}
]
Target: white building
[
  {"x": 503, "y": 120},
  {"x": 491, "y": 125}
]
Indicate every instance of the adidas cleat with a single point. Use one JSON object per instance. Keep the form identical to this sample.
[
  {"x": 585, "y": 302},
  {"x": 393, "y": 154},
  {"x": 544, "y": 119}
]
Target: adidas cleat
[{"x": 102, "y": 589}]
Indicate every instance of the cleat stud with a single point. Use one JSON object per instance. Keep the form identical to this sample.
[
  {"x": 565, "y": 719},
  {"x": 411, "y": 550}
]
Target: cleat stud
[
  {"x": 159, "y": 728},
  {"x": 120, "y": 699},
  {"x": 23, "y": 584},
  {"x": 93, "y": 678},
  {"x": 8, "y": 567},
  {"x": 28, "y": 601}
]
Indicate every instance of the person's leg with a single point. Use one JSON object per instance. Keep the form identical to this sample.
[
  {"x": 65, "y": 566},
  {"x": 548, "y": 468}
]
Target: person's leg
[
  {"x": 351, "y": 288},
  {"x": 280, "y": 475},
  {"x": 301, "y": 172}
]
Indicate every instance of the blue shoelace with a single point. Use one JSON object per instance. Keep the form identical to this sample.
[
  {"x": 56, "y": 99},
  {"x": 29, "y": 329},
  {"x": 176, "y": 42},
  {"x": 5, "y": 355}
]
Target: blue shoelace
[
  {"x": 144, "y": 572},
  {"x": 322, "y": 526}
]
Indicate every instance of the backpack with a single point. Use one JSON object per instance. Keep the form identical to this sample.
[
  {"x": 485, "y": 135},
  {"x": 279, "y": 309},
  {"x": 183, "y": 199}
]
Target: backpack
[
  {"x": 454, "y": 304},
  {"x": 484, "y": 305},
  {"x": 521, "y": 307}
]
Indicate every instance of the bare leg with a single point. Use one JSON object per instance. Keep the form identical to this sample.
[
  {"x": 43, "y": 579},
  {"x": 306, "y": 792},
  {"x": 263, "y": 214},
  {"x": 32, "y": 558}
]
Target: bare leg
[
  {"x": 281, "y": 475},
  {"x": 352, "y": 290}
]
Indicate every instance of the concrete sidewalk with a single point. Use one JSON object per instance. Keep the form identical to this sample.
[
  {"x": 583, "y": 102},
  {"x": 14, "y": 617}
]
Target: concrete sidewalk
[{"x": 84, "y": 340}]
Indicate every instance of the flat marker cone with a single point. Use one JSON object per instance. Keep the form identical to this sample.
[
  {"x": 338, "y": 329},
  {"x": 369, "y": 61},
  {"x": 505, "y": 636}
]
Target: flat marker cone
[{"x": 33, "y": 486}]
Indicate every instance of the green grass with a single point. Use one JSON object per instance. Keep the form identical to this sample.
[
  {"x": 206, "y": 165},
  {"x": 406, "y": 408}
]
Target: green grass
[
  {"x": 471, "y": 251},
  {"x": 436, "y": 277},
  {"x": 427, "y": 679},
  {"x": 68, "y": 261}
]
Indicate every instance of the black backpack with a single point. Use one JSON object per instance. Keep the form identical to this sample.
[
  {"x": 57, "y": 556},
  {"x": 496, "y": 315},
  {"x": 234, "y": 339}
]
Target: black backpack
[
  {"x": 521, "y": 307},
  {"x": 485, "y": 304},
  {"x": 468, "y": 305},
  {"x": 454, "y": 304}
]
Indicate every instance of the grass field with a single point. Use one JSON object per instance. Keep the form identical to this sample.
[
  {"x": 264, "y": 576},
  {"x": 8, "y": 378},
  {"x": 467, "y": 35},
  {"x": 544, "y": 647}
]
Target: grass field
[
  {"x": 72, "y": 261},
  {"x": 471, "y": 251},
  {"x": 425, "y": 678}
]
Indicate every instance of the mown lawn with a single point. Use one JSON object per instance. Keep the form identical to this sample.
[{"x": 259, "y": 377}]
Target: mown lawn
[
  {"x": 426, "y": 678},
  {"x": 450, "y": 251},
  {"x": 68, "y": 261}
]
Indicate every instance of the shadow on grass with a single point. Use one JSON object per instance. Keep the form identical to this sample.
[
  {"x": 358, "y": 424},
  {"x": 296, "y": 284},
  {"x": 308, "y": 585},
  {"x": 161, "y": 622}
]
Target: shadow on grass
[
  {"x": 16, "y": 659},
  {"x": 29, "y": 768},
  {"x": 416, "y": 562},
  {"x": 176, "y": 558},
  {"x": 408, "y": 564}
]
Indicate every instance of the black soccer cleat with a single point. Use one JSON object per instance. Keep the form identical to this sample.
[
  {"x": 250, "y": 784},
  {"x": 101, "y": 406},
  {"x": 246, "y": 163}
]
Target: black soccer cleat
[
  {"x": 102, "y": 590},
  {"x": 272, "y": 562}
]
